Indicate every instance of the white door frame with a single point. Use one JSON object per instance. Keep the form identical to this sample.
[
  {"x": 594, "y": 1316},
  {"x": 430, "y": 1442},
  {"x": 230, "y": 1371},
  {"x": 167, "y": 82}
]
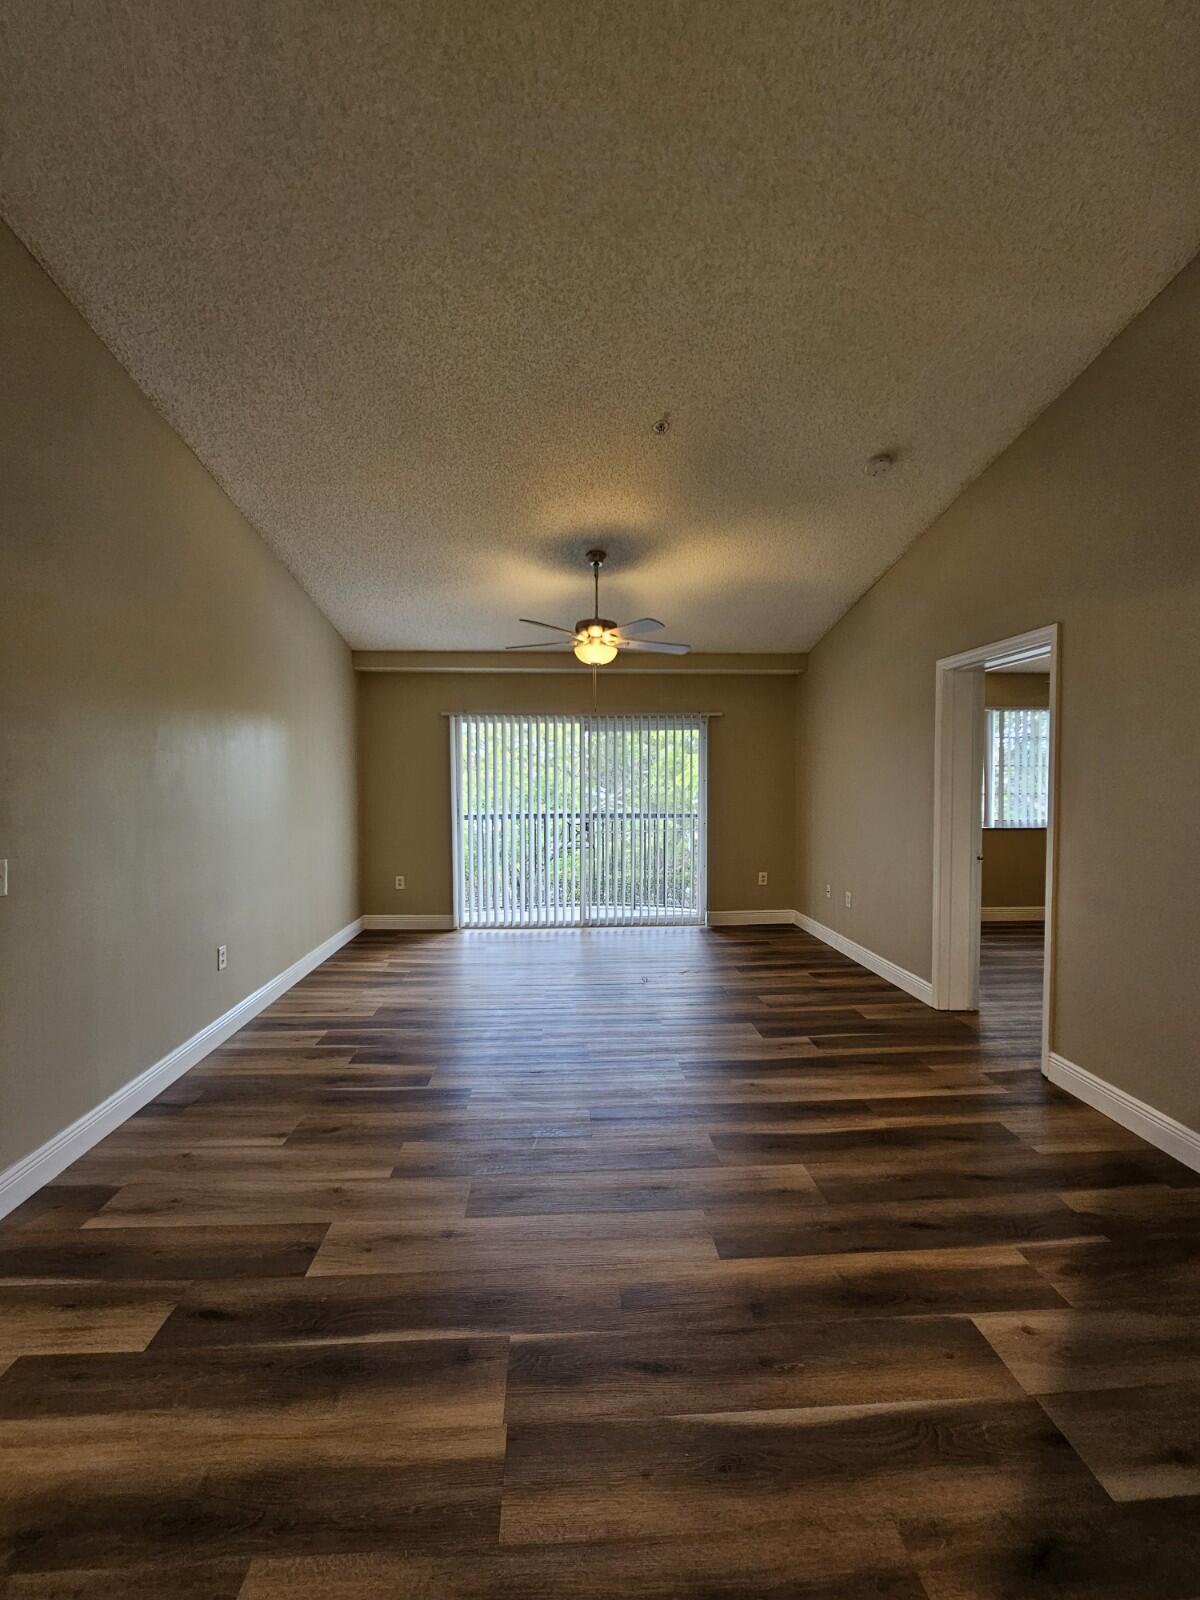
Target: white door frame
[{"x": 958, "y": 825}]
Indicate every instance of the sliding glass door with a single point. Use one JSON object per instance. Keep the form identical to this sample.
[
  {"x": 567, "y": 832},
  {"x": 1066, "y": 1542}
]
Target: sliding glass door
[{"x": 568, "y": 822}]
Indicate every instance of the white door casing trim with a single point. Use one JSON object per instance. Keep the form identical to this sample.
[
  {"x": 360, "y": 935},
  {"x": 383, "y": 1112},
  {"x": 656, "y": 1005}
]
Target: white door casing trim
[{"x": 957, "y": 823}]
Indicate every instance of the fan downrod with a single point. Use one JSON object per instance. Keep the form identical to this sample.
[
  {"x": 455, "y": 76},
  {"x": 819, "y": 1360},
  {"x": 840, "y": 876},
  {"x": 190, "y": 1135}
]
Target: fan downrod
[{"x": 596, "y": 559}]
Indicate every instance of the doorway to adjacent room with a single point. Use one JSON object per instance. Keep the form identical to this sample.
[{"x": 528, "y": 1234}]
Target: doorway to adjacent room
[{"x": 994, "y": 812}]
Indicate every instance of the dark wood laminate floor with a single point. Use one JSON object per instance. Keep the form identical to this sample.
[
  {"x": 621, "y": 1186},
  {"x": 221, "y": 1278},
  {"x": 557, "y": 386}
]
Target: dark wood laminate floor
[{"x": 669, "y": 1263}]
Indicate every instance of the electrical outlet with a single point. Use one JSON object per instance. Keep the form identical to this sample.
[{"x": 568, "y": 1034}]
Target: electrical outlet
[
  {"x": 222, "y": 957},
  {"x": 762, "y": 877},
  {"x": 829, "y": 891},
  {"x": 849, "y": 900},
  {"x": 400, "y": 883}
]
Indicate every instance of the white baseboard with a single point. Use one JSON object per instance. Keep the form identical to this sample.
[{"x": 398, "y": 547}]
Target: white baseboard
[
  {"x": 1163, "y": 1132},
  {"x": 1014, "y": 913},
  {"x": 920, "y": 988},
  {"x": 415, "y": 922},
  {"x": 27, "y": 1176},
  {"x": 749, "y": 919}
]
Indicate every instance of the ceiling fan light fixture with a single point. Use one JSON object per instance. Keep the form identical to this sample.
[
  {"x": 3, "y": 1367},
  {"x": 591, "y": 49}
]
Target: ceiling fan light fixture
[
  {"x": 595, "y": 652},
  {"x": 597, "y": 640}
]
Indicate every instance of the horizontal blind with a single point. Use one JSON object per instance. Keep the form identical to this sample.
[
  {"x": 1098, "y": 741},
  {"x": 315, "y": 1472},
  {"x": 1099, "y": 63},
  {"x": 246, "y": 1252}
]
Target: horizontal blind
[
  {"x": 568, "y": 821},
  {"x": 1017, "y": 768}
]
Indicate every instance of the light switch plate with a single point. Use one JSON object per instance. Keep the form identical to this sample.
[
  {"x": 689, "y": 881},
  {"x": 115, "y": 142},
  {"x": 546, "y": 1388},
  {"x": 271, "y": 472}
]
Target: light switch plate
[{"x": 4, "y": 876}]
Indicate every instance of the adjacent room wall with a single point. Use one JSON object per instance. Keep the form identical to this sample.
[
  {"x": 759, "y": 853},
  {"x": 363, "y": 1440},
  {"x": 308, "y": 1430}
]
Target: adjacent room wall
[
  {"x": 1014, "y": 859},
  {"x": 1014, "y": 868},
  {"x": 1091, "y": 518},
  {"x": 404, "y": 757},
  {"x": 176, "y": 732},
  {"x": 1022, "y": 689}
]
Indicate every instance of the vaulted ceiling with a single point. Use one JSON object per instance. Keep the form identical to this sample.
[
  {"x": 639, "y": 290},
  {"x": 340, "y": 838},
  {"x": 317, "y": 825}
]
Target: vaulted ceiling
[{"x": 417, "y": 280}]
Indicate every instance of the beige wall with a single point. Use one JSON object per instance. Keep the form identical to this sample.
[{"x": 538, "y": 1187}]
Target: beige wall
[
  {"x": 1014, "y": 867},
  {"x": 1092, "y": 518},
  {"x": 405, "y": 772},
  {"x": 1014, "y": 859},
  {"x": 1022, "y": 689},
  {"x": 176, "y": 732}
]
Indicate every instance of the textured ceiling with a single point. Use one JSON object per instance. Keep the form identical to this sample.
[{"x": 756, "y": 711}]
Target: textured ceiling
[{"x": 416, "y": 280}]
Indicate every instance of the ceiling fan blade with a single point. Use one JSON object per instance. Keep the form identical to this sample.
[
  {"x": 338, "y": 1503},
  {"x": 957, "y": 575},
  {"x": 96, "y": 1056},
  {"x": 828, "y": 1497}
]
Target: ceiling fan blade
[
  {"x": 642, "y": 625},
  {"x": 554, "y": 625},
  {"x": 660, "y": 647},
  {"x": 551, "y": 644}
]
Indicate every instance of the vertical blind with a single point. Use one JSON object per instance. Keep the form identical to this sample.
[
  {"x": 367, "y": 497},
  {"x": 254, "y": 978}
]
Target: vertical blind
[
  {"x": 573, "y": 821},
  {"x": 1016, "y": 769}
]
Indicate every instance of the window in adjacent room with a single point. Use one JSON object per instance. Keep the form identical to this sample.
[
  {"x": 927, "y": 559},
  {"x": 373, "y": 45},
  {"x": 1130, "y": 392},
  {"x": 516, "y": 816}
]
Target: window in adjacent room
[{"x": 1016, "y": 768}]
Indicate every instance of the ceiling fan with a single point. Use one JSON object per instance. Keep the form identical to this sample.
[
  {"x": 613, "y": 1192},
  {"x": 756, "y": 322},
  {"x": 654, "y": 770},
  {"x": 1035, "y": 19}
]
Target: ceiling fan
[{"x": 596, "y": 639}]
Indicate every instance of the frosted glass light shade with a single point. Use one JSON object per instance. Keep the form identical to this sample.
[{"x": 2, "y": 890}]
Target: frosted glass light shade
[{"x": 595, "y": 652}]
